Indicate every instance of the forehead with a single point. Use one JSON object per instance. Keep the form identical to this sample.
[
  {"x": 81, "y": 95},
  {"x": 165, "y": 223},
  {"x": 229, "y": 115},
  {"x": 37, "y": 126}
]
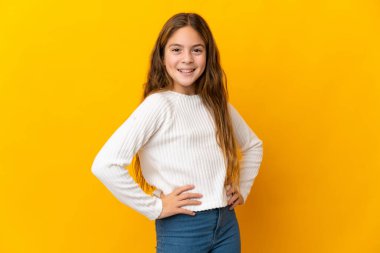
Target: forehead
[{"x": 185, "y": 36}]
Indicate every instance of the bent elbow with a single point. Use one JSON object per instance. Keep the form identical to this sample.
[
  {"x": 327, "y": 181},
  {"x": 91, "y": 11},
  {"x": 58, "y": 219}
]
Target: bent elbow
[
  {"x": 260, "y": 147},
  {"x": 260, "y": 143},
  {"x": 97, "y": 168}
]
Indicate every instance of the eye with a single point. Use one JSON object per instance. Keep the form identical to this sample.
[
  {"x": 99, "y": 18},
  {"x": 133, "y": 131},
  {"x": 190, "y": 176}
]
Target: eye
[
  {"x": 198, "y": 50},
  {"x": 176, "y": 50}
]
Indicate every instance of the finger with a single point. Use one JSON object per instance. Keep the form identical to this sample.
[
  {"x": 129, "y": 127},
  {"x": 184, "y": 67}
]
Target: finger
[
  {"x": 188, "y": 202},
  {"x": 185, "y": 211},
  {"x": 237, "y": 202},
  {"x": 231, "y": 190},
  {"x": 189, "y": 196},
  {"x": 234, "y": 205},
  {"x": 181, "y": 189},
  {"x": 233, "y": 199}
]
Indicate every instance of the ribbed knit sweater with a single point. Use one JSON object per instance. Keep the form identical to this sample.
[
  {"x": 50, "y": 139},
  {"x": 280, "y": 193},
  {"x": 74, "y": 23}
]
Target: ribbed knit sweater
[{"x": 175, "y": 137}]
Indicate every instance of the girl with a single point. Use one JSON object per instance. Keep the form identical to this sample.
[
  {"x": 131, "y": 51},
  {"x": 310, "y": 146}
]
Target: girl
[{"x": 185, "y": 136}]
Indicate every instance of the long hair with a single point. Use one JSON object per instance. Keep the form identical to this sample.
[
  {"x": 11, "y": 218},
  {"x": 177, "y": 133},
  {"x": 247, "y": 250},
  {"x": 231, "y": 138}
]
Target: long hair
[{"x": 211, "y": 86}]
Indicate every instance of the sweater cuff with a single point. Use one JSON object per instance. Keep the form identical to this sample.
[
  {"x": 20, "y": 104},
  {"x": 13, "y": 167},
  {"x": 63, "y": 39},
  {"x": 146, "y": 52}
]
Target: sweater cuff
[
  {"x": 245, "y": 189},
  {"x": 157, "y": 209},
  {"x": 157, "y": 193}
]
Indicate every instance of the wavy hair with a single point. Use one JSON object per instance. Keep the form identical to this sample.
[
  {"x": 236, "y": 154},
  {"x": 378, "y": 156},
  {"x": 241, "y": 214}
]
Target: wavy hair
[{"x": 211, "y": 86}]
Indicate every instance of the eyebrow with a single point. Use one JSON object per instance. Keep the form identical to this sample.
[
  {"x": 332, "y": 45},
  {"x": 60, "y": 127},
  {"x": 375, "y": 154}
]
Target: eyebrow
[{"x": 178, "y": 45}]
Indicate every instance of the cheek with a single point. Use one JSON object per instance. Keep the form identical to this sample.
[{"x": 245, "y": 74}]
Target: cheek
[
  {"x": 170, "y": 63},
  {"x": 202, "y": 62}
]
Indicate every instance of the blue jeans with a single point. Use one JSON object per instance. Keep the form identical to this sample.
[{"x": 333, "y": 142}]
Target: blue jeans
[{"x": 209, "y": 231}]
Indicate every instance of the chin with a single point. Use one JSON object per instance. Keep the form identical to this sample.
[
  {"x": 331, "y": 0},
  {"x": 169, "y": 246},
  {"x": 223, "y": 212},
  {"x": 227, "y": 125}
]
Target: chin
[{"x": 186, "y": 84}]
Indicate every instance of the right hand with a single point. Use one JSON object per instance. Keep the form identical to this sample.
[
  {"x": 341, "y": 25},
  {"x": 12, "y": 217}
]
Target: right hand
[{"x": 172, "y": 203}]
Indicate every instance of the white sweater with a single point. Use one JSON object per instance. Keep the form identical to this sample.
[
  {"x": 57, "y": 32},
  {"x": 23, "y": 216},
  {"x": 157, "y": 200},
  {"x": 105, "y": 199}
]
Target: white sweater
[{"x": 174, "y": 135}]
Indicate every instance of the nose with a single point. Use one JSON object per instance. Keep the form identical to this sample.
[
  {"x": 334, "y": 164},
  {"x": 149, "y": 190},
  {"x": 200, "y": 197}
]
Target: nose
[{"x": 187, "y": 57}]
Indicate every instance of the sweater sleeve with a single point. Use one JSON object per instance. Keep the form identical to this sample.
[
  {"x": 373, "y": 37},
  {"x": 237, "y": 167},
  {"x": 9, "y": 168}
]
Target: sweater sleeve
[
  {"x": 119, "y": 150},
  {"x": 252, "y": 151}
]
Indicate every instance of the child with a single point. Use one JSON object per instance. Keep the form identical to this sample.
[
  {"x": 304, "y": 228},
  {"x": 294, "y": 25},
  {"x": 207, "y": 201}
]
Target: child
[{"x": 185, "y": 135}]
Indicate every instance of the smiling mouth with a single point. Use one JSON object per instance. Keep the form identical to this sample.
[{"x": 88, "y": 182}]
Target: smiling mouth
[{"x": 186, "y": 70}]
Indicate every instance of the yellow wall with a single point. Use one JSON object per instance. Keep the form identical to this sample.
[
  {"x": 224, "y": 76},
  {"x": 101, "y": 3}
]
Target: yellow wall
[{"x": 304, "y": 74}]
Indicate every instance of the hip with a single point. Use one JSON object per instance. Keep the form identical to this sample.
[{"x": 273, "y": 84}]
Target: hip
[{"x": 198, "y": 233}]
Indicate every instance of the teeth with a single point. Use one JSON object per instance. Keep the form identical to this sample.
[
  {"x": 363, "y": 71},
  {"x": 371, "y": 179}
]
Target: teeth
[{"x": 186, "y": 70}]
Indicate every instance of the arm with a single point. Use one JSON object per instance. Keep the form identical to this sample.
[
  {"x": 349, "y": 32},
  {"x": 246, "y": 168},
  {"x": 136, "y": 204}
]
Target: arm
[
  {"x": 252, "y": 151},
  {"x": 119, "y": 150}
]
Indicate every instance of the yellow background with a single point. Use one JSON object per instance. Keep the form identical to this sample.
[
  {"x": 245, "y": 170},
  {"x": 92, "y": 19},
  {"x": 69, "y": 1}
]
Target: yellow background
[{"x": 304, "y": 74}]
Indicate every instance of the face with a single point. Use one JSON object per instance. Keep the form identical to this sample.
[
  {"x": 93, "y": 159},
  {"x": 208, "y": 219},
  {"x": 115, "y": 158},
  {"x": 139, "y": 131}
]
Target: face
[{"x": 185, "y": 59}]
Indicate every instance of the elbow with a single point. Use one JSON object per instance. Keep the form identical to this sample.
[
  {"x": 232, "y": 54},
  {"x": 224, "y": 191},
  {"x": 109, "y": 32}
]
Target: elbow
[
  {"x": 94, "y": 169},
  {"x": 260, "y": 147},
  {"x": 259, "y": 143},
  {"x": 256, "y": 144},
  {"x": 256, "y": 148},
  {"x": 97, "y": 168}
]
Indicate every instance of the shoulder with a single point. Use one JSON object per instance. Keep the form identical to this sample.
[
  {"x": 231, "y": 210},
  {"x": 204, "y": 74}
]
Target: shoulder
[
  {"x": 155, "y": 103},
  {"x": 153, "y": 100},
  {"x": 158, "y": 98}
]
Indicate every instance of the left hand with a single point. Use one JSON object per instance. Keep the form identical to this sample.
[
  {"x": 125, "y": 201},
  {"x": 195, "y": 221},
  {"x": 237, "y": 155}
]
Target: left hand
[{"x": 235, "y": 198}]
